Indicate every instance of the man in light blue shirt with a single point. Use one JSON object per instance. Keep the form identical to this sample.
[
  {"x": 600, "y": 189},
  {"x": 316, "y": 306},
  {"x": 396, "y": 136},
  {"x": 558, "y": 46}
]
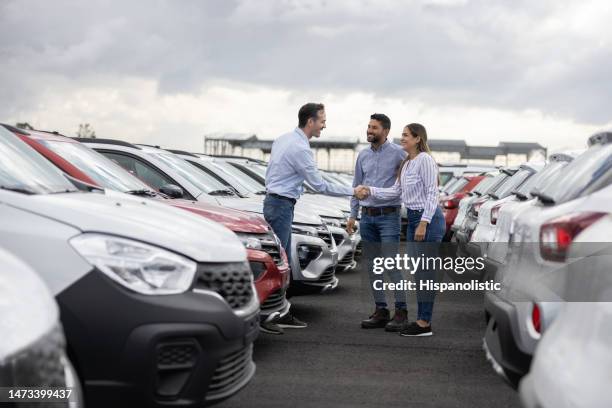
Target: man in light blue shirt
[
  {"x": 291, "y": 163},
  {"x": 380, "y": 219}
]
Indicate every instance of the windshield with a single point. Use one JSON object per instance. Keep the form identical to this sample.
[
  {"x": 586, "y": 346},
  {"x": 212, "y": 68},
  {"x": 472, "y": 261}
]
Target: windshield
[
  {"x": 484, "y": 184},
  {"x": 540, "y": 179},
  {"x": 23, "y": 169},
  {"x": 512, "y": 183},
  {"x": 457, "y": 186},
  {"x": 494, "y": 183},
  {"x": 445, "y": 176},
  {"x": 592, "y": 169},
  {"x": 100, "y": 169},
  {"x": 240, "y": 177},
  {"x": 195, "y": 176}
]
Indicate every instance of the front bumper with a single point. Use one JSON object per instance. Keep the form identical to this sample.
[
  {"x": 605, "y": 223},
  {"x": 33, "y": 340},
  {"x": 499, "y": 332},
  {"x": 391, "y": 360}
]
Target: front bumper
[
  {"x": 271, "y": 284},
  {"x": 316, "y": 272},
  {"x": 500, "y": 341},
  {"x": 177, "y": 350}
]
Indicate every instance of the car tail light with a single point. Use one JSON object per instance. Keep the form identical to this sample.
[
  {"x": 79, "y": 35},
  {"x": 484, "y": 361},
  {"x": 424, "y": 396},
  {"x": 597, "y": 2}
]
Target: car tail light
[
  {"x": 536, "y": 318},
  {"x": 557, "y": 234},
  {"x": 495, "y": 213},
  {"x": 450, "y": 204}
]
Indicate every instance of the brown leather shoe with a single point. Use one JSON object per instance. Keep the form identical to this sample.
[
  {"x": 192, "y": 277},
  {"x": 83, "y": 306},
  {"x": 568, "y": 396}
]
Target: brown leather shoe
[
  {"x": 398, "y": 322},
  {"x": 378, "y": 320}
]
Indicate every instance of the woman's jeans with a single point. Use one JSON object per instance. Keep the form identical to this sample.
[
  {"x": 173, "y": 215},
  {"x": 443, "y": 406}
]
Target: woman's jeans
[{"x": 430, "y": 247}]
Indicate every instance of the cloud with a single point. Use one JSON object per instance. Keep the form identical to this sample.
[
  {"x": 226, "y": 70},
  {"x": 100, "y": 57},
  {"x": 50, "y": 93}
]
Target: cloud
[{"x": 114, "y": 60}]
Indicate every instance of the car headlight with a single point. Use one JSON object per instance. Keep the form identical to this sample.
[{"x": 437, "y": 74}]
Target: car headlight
[
  {"x": 334, "y": 222},
  {"x": 304, "y": 230},
  {"x": 140, "y": 267},
  {"x": 250, "y": 241}
]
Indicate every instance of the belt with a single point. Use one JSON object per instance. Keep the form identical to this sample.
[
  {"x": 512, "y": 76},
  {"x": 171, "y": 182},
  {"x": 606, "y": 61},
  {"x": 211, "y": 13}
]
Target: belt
[
  {"x": 376, "y": 211},
  {"x": 293, "y": 200}
]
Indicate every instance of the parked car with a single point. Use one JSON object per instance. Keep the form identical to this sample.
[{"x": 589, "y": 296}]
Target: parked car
[
  {"x": 33, "y": 347},
  {"x": 540, "y": 238},
  {"x": 450, "y": 201},
  {"x": 572, "y": 363},
  {"x": 495, "y": 253},
  {"x": 266, "y": 257},
  {"x": 467, "y": 216},
  {"x": 486, "y": 213},
  {"x": 157, "y": 304},
  {"x": 313, "y": 254}
]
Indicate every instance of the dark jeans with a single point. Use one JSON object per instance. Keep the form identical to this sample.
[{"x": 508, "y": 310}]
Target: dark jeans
[
  {"x": 279, "y": 214},
  {"x": 430, "y": 247},
  {"x": 381, "y": 237}
]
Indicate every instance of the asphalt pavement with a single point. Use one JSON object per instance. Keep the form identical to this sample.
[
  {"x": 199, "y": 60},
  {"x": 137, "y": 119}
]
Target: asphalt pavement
[{"x": 335, "y": 363}]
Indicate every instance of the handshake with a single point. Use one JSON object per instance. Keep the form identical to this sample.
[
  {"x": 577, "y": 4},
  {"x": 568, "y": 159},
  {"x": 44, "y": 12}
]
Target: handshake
[{"x": 362, "y": 192}]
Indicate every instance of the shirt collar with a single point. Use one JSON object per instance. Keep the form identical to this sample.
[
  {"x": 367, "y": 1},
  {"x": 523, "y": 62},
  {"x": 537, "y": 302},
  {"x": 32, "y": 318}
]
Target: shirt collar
[
  {"x": 381, "y": 147},
  {"x": 301, "y": 133}
]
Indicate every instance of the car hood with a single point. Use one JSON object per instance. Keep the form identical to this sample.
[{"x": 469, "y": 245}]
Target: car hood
[
  {"x": 139, "y": 219},
  {"x": 320, "y": 207},
  {"x": 255, "y": 205},
  {"x": 237, "y": 221}
]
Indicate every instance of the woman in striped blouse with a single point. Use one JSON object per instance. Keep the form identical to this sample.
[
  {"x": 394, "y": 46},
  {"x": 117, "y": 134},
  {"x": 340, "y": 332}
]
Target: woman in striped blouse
[{"x": 417, "y": 184}]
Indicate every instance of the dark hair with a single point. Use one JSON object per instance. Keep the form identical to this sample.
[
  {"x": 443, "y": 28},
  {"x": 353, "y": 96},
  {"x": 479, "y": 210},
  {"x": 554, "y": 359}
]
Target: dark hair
[
  {"x": 383, "y": 119},
  {"x": 310, "y": 110}
]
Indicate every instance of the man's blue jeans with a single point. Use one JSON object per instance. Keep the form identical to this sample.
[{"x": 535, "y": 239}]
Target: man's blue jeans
[
  {"x": 381, "y": 237},
  {"x": 430, "y": 247},
  {"x": 279, "y": 214}
]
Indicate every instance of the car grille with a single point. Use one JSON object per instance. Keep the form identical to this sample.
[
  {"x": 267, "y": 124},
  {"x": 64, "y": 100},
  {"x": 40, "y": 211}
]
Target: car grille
[
  {"x": 274, "y": 301},
  {"x": 338, "y": 238},
  {"x": 325, "y": 235},
  {"x": 230, "y": 371},
  {"x": 328, "y": 275},
  {"x": 233, "y": 281},
  {"x": 346, "y": 260},
  {"x": 359, "y": 248},
  {"x": 270, "y": 245}
]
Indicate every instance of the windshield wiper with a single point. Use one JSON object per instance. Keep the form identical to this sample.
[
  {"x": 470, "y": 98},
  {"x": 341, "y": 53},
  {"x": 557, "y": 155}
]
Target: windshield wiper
[
  {"x": 23, "y": 190},
  {"x": 519, "y": 195},
  {"x": 142, "y": 192},
  {"x": 226, "y": 191},
  {"x": 261, "y": 192}
]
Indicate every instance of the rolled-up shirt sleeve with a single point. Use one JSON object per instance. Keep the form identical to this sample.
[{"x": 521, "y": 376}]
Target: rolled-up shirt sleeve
[
  {"x": 305, "y": 165},
  {"x": 387, "y": 193},
  {"x": 428, "y": 171}
]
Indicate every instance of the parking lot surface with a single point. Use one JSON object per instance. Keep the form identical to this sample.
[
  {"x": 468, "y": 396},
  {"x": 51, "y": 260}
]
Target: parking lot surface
[{"x": 335, "y": 363}]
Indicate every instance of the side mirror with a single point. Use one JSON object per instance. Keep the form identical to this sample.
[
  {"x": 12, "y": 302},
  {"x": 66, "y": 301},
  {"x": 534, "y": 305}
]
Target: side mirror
[{"x": 171, "y": 190}]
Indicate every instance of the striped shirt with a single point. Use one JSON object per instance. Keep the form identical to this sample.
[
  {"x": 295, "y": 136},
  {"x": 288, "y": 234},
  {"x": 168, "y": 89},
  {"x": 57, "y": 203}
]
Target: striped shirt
[{"x": 417, "y": 186}]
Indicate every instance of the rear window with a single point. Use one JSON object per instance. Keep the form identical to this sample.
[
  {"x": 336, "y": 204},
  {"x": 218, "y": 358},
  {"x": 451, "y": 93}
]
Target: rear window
[
  {"x": 458, "y": 186},
  {"x": 542, "y": 178},
  {"x": 512, "y": 183},
  {"x": 587, "y": 173}
]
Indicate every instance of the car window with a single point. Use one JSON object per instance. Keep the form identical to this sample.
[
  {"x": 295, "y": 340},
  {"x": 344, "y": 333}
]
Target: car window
[
  {"x": 542, "y": 178},
  {"x": 252, "y": 185},
  {"x": 457, "y": 186},
  {"x": 205, "y": 182},
  {"x": 589, "y": 172},
  {"x": 224, "y": 178},
  {"x": 150, "y": 175},
  {"x": 512, "y": 183},
  {"x": 99, "y": 168},
  {"x": 23, "y": 169},
  {"x": 445, "y": 177}
]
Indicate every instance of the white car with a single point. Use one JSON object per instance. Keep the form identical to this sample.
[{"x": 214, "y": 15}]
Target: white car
[
  {"x": 539, "y": 242},
  {"x": 33, "y": 346},
  {"x": 572, "y": 366}
]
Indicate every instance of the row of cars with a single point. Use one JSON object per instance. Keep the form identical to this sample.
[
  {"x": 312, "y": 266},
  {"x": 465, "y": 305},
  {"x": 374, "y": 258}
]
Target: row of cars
[
  {"x": 157, "y": 268},
  {"x": 543, "y": 229}
]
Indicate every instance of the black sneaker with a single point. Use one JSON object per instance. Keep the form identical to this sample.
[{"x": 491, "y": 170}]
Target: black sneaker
[
  {"x": 289, "y": 321},
  {"x": 413, "y": 330},
  {"x": 270, "y": 328}
]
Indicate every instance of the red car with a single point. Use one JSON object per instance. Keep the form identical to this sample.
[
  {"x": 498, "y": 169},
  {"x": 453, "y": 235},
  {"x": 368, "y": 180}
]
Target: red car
[
  {"x": 450, "y": 201},
  {"x": 267, "y": 258}
]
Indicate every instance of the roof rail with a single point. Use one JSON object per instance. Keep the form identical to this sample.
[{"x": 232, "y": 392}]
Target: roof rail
[
  {"x": 104, "y": 141},
  {"x": 183, "y": 152},
  {"x": 15, "y": 129},
  {"x": 149, "y": 145}
]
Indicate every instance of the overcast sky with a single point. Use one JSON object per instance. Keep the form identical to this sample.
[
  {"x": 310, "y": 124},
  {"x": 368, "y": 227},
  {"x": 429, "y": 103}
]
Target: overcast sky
[{"x": 168, "y": 72}]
